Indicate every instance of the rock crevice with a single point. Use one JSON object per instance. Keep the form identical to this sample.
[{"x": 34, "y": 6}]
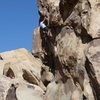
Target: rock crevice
[
  {"x": 69, "y": 44},
  {"x": 65, "y": 59}
]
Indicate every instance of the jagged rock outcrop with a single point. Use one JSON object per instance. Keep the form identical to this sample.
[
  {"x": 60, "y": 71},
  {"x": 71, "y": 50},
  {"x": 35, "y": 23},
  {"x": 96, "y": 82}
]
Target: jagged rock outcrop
[
  {"x": 20, "y": 76},
  {"x": 65, "y": 60},
  {"x": 92, "y": 66},
  {"x": 37, "y": 44},
  {"x": 71, "y": 48}
]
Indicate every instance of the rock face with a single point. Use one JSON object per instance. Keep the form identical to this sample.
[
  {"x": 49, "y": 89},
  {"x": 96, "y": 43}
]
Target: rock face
[
  {"x": 71, "y": 48},
  {"x": 65, "y": 60},
  {"x": 37, "y": 43},
  {"x": 20, "y": 76}
]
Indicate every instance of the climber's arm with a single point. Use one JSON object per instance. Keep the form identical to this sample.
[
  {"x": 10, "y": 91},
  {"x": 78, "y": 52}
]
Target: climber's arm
[{"x": 44, "y": 20}]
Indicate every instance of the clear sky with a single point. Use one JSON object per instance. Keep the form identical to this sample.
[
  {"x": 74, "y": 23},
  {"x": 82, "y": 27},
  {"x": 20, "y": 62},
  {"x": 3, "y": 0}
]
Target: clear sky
[{"x": 18, "y": 18}]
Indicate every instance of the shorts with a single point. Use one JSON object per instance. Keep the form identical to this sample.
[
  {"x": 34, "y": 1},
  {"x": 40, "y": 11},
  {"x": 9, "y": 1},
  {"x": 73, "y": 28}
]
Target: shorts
[{"x": 45, "y": 29}]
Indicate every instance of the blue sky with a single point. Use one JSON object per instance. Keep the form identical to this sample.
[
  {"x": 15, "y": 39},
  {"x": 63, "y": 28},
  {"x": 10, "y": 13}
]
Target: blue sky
[{"x": 18, "y": 19}]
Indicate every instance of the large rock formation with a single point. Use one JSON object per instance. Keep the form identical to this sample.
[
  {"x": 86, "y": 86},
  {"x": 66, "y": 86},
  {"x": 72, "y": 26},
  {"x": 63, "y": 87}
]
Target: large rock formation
[
  {"x": 71, "y": 48},
  {"x": 65, "y": 60},
  {"x": 20, "y": 76}
]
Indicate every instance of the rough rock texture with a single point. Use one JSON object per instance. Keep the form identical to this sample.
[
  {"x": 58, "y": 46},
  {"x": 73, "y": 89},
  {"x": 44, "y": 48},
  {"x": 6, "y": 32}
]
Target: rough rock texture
[
  {"x": 65, "y": 60},
  {"x": 71, "y": 48},
  {"x": 37, "y": 43},
  {"x": 20, "y": 76}
]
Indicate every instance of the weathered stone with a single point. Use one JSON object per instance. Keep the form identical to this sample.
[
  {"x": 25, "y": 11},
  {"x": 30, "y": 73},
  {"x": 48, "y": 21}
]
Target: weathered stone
[
  {"x": 92, "y": 66},
  {"x": 46, "y": 76},
  {"x": 37, "y": 42},
  {"x": 94, "y": 27},
  {"x": 67, "y": 60},
  {"x": 29, "y": 92},
  {"x": 20, "y": 68},
  {"x": 70, "y": 24},
  {"x": 93, "y": 55}
]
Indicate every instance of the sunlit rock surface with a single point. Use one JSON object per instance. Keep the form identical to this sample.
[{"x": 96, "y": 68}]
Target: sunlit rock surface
[
  {"x": 65, "y": 60},
  {"x": 70, "y": 48},
  {"x": 20, "y": 76}
]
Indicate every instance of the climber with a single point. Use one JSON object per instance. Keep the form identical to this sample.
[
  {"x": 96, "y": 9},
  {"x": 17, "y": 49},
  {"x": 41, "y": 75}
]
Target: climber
[
  {"x": 43, "y": 25},
  {"x": 1, "y": 58}
]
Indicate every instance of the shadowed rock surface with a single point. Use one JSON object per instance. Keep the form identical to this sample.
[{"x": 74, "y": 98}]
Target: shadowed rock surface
[
  {"x": 65, "y": 60},
  {"x": 71, "y": 48},
  {"x": 20, "y": 76}
]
